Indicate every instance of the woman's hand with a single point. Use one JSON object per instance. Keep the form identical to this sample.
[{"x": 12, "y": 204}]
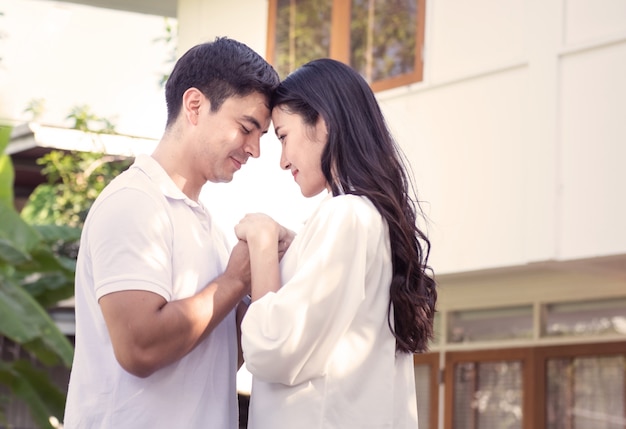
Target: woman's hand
[
  {"x": 258, "y": 229},
  {"x": 263, "y": 234}
]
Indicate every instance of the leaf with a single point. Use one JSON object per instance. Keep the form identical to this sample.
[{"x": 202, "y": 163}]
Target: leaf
[
  {"x": 7, "y": 174},
  {"x": 11, "y": 255},
  {"x": 39, "y": 348},
  {"x": 49, "y": 288},
  {"x": 42, "y": 259},
  {"x": 34, "y": 388},
  {"x": 23, "y": 320},
  {"x": 16, "y": 230},
  {"x": 5, "y": 137},
  {"x": 52, "y": 233},
  {"x": 48, "y": 277}
]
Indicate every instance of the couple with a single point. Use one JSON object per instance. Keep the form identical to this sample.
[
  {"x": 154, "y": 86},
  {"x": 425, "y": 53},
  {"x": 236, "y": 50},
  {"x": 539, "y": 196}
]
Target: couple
[{"x": 162, "y": 323}]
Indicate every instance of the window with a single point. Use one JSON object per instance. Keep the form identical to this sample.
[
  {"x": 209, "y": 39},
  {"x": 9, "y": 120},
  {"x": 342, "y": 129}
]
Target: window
[
  {"x": 586, "y": 392},
  {"x": 486, "y": 389},
  {"x": 606, "y": 317},
  {"x": 490, "y": 324},
  {"x": 427, "y": 389},
  {"x": 382, "y": 39},
  {"x": 553, "y": 387}
]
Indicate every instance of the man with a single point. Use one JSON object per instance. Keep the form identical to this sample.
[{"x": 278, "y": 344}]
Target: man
[{"x": 156, "y": 292}]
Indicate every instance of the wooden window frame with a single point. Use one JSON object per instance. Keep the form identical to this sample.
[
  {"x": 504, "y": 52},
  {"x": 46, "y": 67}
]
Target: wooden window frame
[
  {"x": 340, "y": 42},
  {"x": 523, "y": 355},
  {"x": 534, "y": 363},
  {"x": 541, "y": 355},
  {"x": 432, "y": 360}
]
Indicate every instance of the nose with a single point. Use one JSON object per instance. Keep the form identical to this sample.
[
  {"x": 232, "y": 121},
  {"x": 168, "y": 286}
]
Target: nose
[
  {"x": 253, "y": 146},
  {"x": 284, "y": 163}
]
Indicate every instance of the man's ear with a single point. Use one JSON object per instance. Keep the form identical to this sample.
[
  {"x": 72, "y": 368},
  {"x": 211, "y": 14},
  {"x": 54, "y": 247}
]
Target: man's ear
[{"x": 194, "y": 102}]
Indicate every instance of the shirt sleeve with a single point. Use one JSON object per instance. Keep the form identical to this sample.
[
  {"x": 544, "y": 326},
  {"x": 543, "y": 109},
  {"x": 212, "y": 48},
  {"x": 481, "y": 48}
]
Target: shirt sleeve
[
  {"x": 130, "y": 246},
  {"x": 289, "y": 335}
]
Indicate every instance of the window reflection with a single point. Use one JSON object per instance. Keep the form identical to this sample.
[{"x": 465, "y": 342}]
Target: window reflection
[
  {"x": 490, "y": 324},
  {"x": 586, "y": 393},
  {"x": 586, "y": 318},
  {"x": 383, "y": 37},
  {"x": 488, "y": 395}
]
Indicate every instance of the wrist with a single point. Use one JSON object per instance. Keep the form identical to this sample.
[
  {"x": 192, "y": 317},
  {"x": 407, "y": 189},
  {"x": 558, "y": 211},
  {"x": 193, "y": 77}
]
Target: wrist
[{"x": 263, "y": 240}]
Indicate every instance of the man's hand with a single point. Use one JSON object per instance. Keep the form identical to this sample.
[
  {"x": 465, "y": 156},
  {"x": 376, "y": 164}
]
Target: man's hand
[
  {"x": 285, "y": 238},
  {"x": 238, "y": 266}
]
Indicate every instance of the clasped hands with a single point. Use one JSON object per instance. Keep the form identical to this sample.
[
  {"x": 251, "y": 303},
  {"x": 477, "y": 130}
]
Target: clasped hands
[{"x": 262, "y": 232}]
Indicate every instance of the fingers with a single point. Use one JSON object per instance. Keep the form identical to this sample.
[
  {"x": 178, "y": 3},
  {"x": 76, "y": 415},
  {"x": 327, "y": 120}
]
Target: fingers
[{"x": 259, "y": 227}]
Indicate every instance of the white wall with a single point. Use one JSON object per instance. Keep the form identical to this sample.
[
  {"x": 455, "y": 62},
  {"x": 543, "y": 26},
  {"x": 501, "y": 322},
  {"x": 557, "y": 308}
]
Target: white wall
[
  {"x": 71, "y": 55},
  {"x": 592, "y": 129},
  {"x": 516, "y": 135},
  {"x": 203, "y": 20},
  {"x": 525, "y": 105}
]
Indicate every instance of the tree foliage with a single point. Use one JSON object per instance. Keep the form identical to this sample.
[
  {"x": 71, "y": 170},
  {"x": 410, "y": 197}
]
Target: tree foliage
[
  {"x": 38, "y": 251},
  {"x": 32, "y": 277},
  {"x": 74, "y": 180}
]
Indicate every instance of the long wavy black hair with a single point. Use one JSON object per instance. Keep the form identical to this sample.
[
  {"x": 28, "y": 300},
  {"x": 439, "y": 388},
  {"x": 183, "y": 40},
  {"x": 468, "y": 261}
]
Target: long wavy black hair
[{"x": 362, "y": 158}]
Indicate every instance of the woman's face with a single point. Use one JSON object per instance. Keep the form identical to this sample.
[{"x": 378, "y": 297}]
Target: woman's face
[{"x": 302, "y": 147}]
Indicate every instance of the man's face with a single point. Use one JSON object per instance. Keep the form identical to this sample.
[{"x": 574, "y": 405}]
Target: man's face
[{"x": 227, "y": 138}]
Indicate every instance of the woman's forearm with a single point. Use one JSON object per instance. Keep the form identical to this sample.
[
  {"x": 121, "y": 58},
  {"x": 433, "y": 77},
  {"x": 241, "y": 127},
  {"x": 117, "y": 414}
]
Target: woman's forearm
[{"x": 265, "y": 272}]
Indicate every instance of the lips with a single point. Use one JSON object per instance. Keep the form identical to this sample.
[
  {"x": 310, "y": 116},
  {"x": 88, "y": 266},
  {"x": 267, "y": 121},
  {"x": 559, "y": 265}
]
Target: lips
[{"x": 238, "y": 163}]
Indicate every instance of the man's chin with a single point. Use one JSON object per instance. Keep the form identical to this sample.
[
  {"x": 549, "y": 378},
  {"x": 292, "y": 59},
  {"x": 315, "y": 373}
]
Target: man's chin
[{"x": 225, "y": 179}]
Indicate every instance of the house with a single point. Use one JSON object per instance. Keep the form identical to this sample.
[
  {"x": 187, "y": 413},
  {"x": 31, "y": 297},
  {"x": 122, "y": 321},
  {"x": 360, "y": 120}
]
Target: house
[{"x": 512, "y": 116}]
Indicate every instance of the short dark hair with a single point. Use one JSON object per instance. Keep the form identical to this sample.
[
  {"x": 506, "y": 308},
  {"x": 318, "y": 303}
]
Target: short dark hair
[
  {"x": 362, "y": 158},
  {"x": 219, "y": 69}
]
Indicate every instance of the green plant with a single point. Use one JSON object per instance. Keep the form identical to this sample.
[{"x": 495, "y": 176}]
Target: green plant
[
  {"x": 74, "y": 180},
  {"x": 36, "y": 108},
  {"x": 85, "y": 120},
  {"x": 32, "y": 277}
]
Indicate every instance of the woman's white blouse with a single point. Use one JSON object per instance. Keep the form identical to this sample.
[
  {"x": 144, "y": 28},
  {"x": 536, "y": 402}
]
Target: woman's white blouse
[{"x": 320, "y": 349}]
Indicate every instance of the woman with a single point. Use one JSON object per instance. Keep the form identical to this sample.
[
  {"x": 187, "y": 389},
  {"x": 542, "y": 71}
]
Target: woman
[{"x": 332, "y": 347}]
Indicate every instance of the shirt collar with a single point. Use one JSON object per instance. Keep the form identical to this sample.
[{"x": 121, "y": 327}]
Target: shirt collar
[{"x": 163, "y": 181}]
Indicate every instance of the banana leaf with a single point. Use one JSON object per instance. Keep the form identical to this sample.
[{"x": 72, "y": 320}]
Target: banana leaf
[
  {"x": 34, "y": 388},
  {"x": 24, "y": 259},
  {"x": 26, "y": 322}
]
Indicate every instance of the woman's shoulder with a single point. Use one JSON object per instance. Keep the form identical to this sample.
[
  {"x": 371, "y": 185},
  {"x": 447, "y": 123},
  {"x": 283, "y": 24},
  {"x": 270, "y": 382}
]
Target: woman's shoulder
[
  {"x": 349, "y": 201},
  {"x": 352, "y": 206}
]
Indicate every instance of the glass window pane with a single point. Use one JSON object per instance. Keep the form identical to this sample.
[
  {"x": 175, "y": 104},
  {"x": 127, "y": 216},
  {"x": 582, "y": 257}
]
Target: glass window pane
[
  {"x": 488, "y": 395},
  {"x": 586, "y": 393},
  {"x": 383, "y": 37},
  {"x": 423, "y": 393},
  {"x": 490, "y": 324},
  {"x": 586, "y": 318},
  {"x": 302, "y": 33}
]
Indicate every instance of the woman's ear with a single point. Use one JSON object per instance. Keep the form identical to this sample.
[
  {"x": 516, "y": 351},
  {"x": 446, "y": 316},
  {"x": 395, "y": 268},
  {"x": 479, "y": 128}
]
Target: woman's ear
[{"x": 194, "y": 102}]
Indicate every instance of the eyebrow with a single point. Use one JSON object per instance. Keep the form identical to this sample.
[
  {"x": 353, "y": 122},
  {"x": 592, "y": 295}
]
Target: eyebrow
[{"x": 253, "y": 120}]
